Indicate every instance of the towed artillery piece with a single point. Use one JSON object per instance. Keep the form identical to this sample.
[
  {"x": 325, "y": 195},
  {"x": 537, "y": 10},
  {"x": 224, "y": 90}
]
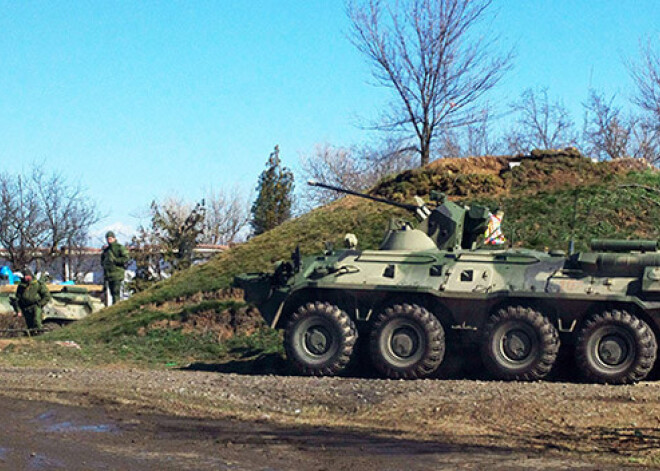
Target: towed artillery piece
[
  {"x": 437, "y": 289},
  {"x": 69, "y": 303}
]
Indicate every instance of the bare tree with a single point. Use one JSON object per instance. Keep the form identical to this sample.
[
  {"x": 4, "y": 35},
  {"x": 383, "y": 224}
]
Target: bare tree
[
  {"x": 146, "y": 251},
  {"x": 388, "y": 156},
  {"x": 646, "y": 140},
  {"x": 178, "y": 228},
  {"x": 331, "y": 165},
  {"x": 541, "y": 124},
  {"x": 227, "y": 216},
  {"x": 606, "y": 132},
  {"x": 448, "y": 144},
  {"x": 40, "y": 213},
  {"x": 427, "y": 52},
  {"x": 22, "y": 225},
  {"x": 471, "y": 140},
  {"x": 479, "y": 139},
  {"x": 646, "y": 75},
  {"x": 350, "y": 167},
  {"x": 166, "y": 245},
  {"x": 609, "y": 134}
]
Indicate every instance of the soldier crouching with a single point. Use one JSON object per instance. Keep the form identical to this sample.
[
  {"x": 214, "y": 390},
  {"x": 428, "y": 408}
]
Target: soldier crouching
[{"x": 31, "y": 296}]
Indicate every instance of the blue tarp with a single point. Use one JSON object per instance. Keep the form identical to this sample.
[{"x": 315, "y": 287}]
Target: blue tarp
[{"x": 7, "y": 273}]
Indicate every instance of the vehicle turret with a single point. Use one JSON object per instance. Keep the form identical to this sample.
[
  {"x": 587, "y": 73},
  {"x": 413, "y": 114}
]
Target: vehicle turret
[{"x": 450, "y": 226}]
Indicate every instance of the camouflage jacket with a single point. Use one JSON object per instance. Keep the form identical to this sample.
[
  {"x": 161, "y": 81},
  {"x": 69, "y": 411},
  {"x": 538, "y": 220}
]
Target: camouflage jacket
[
  {"x": 113, "y": 260},
  {"x": 34, "y": 293}
]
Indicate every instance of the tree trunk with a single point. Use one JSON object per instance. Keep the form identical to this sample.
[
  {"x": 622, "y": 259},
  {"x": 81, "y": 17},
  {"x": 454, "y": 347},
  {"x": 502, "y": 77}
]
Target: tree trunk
[
  {"x": 426, "y": 156},
  {"x": 425, "y": 147}
]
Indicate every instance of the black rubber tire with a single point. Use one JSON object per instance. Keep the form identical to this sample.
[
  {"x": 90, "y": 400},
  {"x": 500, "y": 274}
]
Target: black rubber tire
[
  {"x": 319, "y": 339},
  {"x": 407, "y": 327},
  {"x": 619, "y": 333},
  {"x": 519, "y": 343}
]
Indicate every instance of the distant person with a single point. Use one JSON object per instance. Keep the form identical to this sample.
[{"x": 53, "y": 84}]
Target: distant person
[
  {"x": 113, "y": 260},
  {"x": 31, "y": 296}
]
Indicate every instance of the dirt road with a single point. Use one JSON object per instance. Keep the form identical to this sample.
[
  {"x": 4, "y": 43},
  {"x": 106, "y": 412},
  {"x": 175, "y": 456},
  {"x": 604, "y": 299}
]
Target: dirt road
[
  {"x": 47, "y": 436},
  {"x": 138, "y": 419}
]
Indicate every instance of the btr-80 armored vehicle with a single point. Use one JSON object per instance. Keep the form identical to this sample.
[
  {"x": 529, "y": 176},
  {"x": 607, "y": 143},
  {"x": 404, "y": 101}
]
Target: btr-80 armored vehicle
[{"x": 439, "y": 287}]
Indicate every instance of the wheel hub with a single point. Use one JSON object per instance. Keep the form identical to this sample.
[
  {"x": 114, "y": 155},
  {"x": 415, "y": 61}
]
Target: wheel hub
[
  {"x": 517, "y": 344},
  {"x": 317, "y": 340},
  {"x": 404, "y": 342},
  {"x": 613, "y": 350}
]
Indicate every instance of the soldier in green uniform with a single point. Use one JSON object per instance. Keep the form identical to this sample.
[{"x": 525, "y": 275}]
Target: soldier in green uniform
[
  {"x": 31, "y": 296},
  {"x": 113, "y": 260}
]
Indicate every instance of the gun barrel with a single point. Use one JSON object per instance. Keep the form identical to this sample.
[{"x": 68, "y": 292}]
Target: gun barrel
[{"x": 408, "y": 207}]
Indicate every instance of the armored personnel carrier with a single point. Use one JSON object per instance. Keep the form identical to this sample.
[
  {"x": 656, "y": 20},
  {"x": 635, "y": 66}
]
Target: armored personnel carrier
[{"x": 438, "y": 288}]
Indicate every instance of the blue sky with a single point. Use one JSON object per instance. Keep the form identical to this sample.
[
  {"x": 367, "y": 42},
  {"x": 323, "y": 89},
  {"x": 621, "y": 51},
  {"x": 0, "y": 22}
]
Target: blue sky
[{"x": 138, "y": 100}]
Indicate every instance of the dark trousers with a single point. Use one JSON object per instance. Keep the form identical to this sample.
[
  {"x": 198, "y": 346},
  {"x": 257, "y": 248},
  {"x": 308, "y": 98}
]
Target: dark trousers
[
  {"x": 32, "y": 317},
  {"x": 114, "y": 286}
]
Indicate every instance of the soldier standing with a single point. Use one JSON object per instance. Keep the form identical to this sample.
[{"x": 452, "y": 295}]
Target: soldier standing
[
  {"x": 113, "y": 260},
  {"x": 31, "y": 296}
]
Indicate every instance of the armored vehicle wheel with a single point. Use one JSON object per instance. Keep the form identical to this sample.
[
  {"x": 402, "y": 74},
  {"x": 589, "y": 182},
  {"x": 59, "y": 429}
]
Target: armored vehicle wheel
[
  {"x": 615, "y": 347},
  {"x": 319, "y": 339},
  {"x": 520, "y": 343},
  {"x": 407, "y": 342}
]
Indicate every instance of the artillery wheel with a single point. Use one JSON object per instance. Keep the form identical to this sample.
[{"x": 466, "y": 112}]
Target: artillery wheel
[
  {"x": 51, "y": 326},
  {"x": 319, "y": 339},
  {"x": 407, "y": 342},
  {"x": 615, "y": 347},
  {"x": 520, "y": 343}
]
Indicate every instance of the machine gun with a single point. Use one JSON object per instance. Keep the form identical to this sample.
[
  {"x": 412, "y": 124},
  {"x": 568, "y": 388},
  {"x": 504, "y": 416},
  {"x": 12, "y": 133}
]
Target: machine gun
[{"x": 450, "y": 226}]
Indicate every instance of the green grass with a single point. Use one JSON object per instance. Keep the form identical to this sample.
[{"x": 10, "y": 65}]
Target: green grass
[
  {"x": 538, "y": 198},
  {"x": 146, "y": 338},
  {"x": 159, "y": 348},
  {"x": 546, "y": 219}
]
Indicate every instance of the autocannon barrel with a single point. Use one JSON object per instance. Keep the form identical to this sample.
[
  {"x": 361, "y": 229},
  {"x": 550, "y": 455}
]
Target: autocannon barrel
[{"x": 410, "y": 207}]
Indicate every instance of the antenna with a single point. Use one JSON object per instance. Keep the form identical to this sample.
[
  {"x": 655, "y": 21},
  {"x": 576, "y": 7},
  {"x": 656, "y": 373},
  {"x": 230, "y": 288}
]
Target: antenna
[{"x": 571, "y": 243}]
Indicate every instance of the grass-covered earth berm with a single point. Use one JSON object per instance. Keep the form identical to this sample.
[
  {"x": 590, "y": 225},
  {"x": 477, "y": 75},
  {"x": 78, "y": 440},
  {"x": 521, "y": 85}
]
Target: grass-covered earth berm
[{"x": 196, "y": 317}]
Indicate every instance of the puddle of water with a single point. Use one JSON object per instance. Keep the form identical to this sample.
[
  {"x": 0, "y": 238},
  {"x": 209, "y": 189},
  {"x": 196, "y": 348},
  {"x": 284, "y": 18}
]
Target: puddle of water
[
  {"x": 40, "y": 461},
  {"x": 49, "y": 414},
  {"x": 71, "y": 427},
  {"x": 3, "y": 453}
]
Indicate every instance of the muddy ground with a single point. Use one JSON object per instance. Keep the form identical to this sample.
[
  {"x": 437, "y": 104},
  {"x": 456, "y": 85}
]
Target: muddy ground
[
  {"x": 126, "y": 418},
  {"x": 41, "y": 435}
]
